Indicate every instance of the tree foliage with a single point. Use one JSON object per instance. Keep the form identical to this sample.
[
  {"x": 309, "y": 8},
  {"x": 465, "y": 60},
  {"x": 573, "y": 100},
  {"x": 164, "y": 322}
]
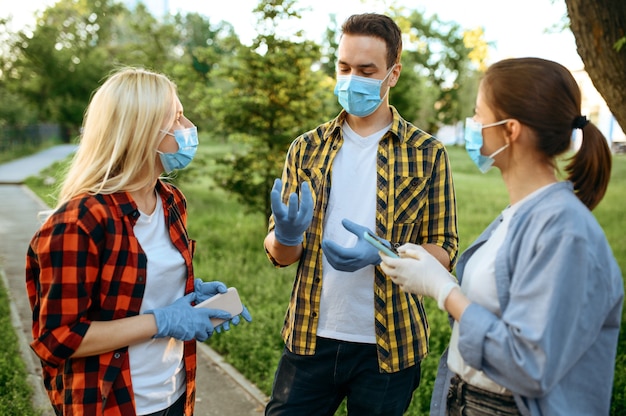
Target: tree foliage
[
  {"x": 52, "y": 68},
  {"x": 202, "y": 48},
  {"x": 54, "y": 63},
  {"x": 273, "y": 95},
  {"x": 437, "y": 66},
  {"x": 260, "y": 96}
]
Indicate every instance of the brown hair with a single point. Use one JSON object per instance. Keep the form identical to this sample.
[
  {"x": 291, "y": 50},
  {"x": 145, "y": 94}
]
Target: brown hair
[
  {"x": 379, "y": 26},
  {"x": 544, "y": 96}
]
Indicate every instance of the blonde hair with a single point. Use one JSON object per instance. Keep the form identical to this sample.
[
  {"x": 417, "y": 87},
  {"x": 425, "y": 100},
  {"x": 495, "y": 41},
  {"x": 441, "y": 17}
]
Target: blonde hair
[{"x": 121, "y": 132}]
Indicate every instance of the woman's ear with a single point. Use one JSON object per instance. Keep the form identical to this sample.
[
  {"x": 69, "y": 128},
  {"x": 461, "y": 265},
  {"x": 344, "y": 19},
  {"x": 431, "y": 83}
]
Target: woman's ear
[{"x": 513, "y": 130}]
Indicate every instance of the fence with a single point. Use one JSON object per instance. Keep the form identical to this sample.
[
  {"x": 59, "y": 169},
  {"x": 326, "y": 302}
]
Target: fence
[{"x": 32, "y": 135}]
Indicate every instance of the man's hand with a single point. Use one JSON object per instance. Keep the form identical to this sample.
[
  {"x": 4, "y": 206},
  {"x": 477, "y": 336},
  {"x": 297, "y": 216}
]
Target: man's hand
[
  {"x": 350, "y": 259},
  {"x": 291, "y": 220}
]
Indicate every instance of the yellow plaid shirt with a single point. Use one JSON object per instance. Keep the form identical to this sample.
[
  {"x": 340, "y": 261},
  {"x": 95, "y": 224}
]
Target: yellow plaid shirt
[{"x": 415, "y": 203}]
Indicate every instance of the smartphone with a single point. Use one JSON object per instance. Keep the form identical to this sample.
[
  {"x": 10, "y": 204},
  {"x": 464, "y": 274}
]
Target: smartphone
[
  {"x": 228, "y": 302},
  {"x": 379, "y": 243}
]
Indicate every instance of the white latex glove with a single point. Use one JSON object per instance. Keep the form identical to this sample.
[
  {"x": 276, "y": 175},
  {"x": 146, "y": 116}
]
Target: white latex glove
[{"x": 417, "y": 271}]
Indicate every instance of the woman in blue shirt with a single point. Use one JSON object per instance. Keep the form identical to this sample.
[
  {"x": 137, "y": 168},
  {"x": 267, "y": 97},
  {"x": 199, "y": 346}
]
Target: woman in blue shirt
[{"x": 537, "y": 306}]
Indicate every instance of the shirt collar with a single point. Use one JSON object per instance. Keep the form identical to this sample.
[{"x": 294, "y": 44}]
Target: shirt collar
[{"x": 127, "y": 206}]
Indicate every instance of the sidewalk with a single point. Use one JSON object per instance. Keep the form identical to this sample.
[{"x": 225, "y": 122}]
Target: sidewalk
[{"x": 221, "y": 390}]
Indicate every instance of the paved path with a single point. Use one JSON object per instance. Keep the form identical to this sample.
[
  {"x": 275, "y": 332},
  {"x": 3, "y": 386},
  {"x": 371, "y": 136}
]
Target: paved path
[{"x": 221, "y": 390}]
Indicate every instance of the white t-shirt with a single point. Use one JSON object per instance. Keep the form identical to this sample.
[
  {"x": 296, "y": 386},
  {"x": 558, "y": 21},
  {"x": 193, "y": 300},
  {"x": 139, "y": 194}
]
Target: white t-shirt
[
  {"x": 156, "y": 366},
  {"x": 479, "y": 285},
  {"x": 347, "y": 302}
]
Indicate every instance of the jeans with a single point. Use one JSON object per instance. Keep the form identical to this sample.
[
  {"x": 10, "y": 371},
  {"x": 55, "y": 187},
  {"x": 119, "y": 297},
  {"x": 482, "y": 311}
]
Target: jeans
[
  {"x": 317, "y": 384},
  {"x": 467, "y": 400}
]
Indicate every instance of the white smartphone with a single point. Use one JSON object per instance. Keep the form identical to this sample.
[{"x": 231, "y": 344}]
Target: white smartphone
[
  {"x": 378, "y": 242},
  {"x": 228, "y": 302}
]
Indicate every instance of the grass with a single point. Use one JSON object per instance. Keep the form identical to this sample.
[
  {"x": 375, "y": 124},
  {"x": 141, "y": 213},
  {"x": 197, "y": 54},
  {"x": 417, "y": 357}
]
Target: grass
[
  {"x": 230, "y": 249},
  {"x": 15, "y": 391}
]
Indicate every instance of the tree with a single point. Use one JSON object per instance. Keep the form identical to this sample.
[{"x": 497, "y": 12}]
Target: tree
[
  {"x": 14, "y": 108},
  {"x": 328, "y": 62},
  {"x": 136, "y": 38},
  {"x": 273, "y": 95},
  {"x": 202, "y": 48},
  {"x": 436, "y": 62},
  {"x": 598, "y": 27},
  {"x": 57, "y": 64}
]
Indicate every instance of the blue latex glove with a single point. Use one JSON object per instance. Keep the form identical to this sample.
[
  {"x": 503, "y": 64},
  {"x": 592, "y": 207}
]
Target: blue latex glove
[
  {"x": 205, "y": 290},
  {"x": 235, "y": 321},
  {"x": 291, "y": 221},
  {"x": 353, "y": 258},
  {"x": 182, "y": 321}
]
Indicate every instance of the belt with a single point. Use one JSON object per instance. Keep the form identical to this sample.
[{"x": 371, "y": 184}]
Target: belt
[{"x": 466, "y": 396}]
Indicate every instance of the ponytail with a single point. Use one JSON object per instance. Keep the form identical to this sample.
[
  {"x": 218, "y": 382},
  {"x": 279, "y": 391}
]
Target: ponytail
[{"x": 590, "y": 168}]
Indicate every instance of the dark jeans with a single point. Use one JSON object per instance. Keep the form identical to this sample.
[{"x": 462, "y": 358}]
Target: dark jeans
[
  {"x": 317, "y": 384},
  {"x": 176, "y": 409},
  {"x": 467, "y": 400}
]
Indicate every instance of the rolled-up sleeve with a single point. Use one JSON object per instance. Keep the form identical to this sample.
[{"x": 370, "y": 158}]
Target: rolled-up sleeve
[
  {"x": 440, "y": 221},
  {"x": 67, "y": 265}
]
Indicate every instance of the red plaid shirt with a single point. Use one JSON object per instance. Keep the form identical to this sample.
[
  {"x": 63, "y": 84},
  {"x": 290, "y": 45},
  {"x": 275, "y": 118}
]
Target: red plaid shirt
[{"x": 84, "y": 264}]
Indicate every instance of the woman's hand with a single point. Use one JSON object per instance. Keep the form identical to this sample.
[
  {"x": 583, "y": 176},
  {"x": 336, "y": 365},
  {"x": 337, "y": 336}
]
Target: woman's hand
[{"x": 417, "y": 271}]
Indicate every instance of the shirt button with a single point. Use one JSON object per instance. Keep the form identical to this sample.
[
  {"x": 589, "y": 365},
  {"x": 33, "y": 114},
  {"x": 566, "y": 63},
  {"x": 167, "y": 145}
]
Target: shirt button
[
  {"x": 116, "y": 355},
  {"x": 313, "y": 314},
  {"x": 140, "y": 279}
]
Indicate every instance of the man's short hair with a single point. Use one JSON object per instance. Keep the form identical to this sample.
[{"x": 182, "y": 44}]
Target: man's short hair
[{"x": 379, "y": 26}]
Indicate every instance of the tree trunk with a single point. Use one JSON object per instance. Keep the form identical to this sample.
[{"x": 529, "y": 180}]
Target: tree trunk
[{"x": 597, "y": 25}]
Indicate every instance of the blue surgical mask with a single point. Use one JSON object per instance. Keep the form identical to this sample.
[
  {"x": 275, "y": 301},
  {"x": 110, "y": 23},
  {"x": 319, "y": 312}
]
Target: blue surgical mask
[
  {"x": 474, "y": 142},
  {"x": 187, "y": 140},
  {"x": 360, "y": 96}
]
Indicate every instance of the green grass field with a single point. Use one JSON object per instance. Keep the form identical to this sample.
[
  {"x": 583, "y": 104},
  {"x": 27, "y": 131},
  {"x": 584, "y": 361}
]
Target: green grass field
[
  {"x": 230, "y": 249},
  {"x": 15, "y": 391}
]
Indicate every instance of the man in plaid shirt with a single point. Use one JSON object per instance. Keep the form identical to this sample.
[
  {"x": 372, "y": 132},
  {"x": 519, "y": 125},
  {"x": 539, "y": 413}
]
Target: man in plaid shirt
[{"x": 350, "y": 332}]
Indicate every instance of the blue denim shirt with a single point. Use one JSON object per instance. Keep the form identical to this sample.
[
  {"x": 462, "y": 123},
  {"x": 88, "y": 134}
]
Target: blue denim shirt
[{"x": 561, "y": 293}]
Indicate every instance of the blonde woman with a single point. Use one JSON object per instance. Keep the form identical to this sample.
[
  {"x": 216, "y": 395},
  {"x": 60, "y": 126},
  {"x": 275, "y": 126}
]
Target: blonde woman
[{"x": 109, "y": 274}]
